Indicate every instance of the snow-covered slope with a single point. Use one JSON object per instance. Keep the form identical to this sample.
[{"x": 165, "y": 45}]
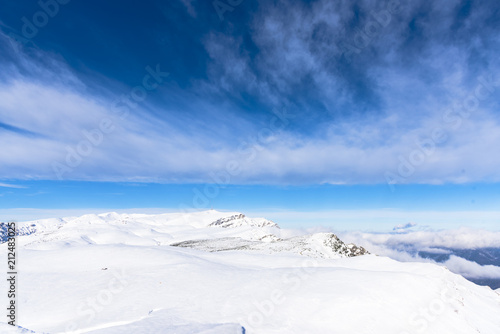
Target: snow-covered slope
[{"x": 116, "y": 273}]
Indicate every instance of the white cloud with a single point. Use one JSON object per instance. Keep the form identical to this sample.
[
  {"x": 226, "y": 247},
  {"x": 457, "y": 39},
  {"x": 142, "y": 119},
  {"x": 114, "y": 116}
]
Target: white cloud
[
  {"x": 462, "y": 238},
  {"x": 403, "y": 228},
  {"x": 15, "y": 186},
  {"x": 471, "y": 269},
  {"x": 405, "y": 247},
  {"x": 57, "y": 106},
  {"x": 163, "y": 152}
]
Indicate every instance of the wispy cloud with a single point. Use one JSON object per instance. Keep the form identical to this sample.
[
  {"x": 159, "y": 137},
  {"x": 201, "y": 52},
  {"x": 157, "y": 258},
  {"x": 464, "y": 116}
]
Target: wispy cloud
[
  {"x": 15, "y": 186},
  {"x": 402, "y": 228},
  {"x": 352, "y": 121}
]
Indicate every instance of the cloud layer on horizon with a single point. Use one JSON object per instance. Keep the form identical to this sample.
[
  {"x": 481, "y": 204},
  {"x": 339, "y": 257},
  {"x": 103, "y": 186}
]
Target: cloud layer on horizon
[{"x": 405, "y": 247}]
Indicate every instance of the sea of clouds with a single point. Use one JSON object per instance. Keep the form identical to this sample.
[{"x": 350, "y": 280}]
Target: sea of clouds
[{"x": 404, "y": 244}]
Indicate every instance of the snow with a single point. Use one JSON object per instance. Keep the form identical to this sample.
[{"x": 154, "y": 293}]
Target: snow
[{"x": 116, "y": 273}]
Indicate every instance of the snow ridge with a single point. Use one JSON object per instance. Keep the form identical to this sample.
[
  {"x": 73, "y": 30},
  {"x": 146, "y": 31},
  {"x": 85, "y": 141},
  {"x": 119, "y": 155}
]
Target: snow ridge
[
  {"x": 319, "y": 245},
  {"x": 241, "y": 220}
]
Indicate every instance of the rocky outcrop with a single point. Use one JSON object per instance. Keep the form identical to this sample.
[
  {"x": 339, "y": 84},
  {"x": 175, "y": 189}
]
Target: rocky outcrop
[{"x": 20, "y": 230}]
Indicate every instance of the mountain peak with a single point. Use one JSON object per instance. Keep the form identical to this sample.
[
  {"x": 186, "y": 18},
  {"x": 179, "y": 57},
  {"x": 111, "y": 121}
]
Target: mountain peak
[{"x": 240, "y": 219}]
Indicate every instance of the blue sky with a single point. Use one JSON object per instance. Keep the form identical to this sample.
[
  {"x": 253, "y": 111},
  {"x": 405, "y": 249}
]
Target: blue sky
[{"x": 298, "y": 106}]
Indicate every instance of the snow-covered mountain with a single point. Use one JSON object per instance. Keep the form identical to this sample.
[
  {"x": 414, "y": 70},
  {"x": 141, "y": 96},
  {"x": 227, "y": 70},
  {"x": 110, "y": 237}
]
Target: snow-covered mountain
[
  {"x": 225, "y": 273},
  {"x": 241, "y": 220},
  {"x": 201, "y": 231}
]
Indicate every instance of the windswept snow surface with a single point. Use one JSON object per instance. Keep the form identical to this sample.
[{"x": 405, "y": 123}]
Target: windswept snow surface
[{"x": 119, "y": 273}]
